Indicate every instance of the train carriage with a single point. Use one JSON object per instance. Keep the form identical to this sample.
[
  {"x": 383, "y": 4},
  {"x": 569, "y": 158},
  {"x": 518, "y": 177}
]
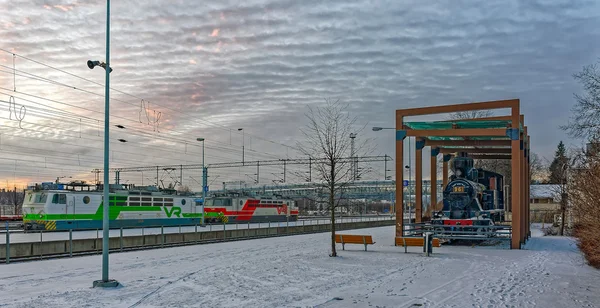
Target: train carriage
[
  {"x": 241, "y": 209},
  {"x": 78, "y": 207}
]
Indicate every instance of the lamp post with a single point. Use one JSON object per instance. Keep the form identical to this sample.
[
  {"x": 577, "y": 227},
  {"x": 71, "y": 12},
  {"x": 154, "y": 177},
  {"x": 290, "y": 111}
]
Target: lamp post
[
  {"x": 407, "y": 167},
  {"x": 105, "y": 282},
  {"x": 243, "y": 143},
  {"x": 204, "y": 175}
]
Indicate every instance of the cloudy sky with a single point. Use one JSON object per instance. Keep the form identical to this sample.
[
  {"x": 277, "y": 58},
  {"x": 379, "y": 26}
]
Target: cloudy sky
[{"x": 207, "y": 68}]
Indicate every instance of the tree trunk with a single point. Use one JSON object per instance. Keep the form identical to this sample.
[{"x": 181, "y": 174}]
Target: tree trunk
[
  {"x": 563, "y": 207},
  {"x": 332, "y": 207}
]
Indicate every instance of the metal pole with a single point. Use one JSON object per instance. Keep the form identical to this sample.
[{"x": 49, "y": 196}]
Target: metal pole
[
  {"x": 353, "y": 173},
  {"x": 409, "y": 182},
  {"x": 385, "y": 168},
  {"x": 284, "y": 170},
  {"x": 7, "y": 244},
  {"x": 70, "y": 242},
  {"x": 121, "y": 239},
  {"x": 204, "y": 175},
  {"x": 243, "y": 144},
  {"x": 310, "y": 169},
  {"x": 106, "y": 150},
  {"x": 106, "y": 201}
]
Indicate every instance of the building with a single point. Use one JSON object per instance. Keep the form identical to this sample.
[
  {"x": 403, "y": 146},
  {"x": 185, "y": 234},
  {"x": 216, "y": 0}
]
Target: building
[{"x": 544, "y": 202}]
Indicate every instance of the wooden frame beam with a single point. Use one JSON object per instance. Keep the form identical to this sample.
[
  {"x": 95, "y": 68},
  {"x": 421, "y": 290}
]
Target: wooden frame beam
[
  {"x": 511, "y": 103},
  {"x": 498, "y": 118},
  {"x": 399, "y": 182},
  {"x": 457, "y": 132},
  {"x": 472, "y": 143},
  {"x": 516, "y": 165},
  {"x": 517, "y": 151},
  {"x": 476, "y": 150},
  {"x": 433, "y": 188},
  {"x": 419, "y": 185},
  {"x": 476, "y": 156}
]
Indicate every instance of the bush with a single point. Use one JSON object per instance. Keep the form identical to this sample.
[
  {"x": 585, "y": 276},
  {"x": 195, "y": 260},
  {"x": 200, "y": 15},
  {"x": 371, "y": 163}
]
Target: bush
[{"x": 585, "y": 204}]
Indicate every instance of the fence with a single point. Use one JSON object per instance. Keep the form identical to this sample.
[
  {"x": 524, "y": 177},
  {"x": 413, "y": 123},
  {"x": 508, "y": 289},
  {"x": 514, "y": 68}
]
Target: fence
[
  {"x": 19, "y": 246},
  {"x": 458, "y": 232},
  {"x": 543, "y": 216}
]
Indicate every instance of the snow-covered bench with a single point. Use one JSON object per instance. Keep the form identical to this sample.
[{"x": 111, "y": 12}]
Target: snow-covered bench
[{"x": 354, "y": 239}]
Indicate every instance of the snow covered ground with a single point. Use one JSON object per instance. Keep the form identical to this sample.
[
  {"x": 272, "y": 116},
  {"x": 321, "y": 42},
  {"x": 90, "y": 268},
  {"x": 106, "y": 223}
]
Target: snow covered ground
[{"x": 297, "y": 272}]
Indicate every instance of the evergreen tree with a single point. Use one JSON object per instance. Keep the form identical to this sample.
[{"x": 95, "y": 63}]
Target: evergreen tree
[{"x": 559, "y": 165}]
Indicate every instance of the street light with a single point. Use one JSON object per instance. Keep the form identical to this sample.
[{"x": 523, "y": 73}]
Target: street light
[
  {"x": 243, "y": 143},
  {"x": 376, "y": 129},
  {"x": 204, "y": 175},
  {"x": 105, "y": 282}
]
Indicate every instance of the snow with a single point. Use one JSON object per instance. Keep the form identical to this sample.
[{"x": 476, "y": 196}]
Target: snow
[{"x": 296, "y": 271}]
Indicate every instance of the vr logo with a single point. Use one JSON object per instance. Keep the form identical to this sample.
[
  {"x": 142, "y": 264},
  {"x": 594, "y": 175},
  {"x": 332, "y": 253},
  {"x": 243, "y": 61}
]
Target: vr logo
[{"x": 174, "y": 210}]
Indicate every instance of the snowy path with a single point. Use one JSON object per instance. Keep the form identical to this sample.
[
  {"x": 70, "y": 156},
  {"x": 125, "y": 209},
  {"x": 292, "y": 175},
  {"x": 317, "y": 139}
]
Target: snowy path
[{"x": 297, "y": 272}]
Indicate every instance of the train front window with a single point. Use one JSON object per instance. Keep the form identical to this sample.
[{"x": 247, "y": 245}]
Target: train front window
[{"x": 36, "y": 198}]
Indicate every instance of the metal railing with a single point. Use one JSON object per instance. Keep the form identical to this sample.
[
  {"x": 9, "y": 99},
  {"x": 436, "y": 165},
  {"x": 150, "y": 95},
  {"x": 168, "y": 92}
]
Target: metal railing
[
  {"x": 482, "y": 233},
  {"x": 52, "y": 244}
]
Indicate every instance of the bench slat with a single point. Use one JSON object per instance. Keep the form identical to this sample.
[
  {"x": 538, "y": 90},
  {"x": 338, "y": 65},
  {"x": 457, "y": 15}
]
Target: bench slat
[
  {"x": 415, "y": 241},
  {"x": 354, "y": 239}
]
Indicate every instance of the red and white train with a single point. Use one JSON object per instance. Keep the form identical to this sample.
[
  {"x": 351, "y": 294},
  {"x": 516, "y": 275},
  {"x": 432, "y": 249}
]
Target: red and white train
[{"x": 236, "y": 209}]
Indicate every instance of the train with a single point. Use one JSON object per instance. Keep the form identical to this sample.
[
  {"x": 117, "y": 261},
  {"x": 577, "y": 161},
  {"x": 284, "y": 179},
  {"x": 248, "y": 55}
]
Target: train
[
  {"x": 76, "y": 205},
  {"x": 473, "y": 199}
]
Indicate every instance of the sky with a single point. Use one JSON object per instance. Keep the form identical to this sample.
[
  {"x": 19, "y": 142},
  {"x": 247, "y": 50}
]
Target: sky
[{"x": 189, "y": 69}]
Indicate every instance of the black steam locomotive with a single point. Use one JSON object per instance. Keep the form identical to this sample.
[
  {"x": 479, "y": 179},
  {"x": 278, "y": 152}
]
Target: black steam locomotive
[{"x": 473, "y": 197}]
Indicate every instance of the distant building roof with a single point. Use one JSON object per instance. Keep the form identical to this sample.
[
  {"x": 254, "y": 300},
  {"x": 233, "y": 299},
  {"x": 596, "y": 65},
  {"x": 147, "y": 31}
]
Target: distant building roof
[{"x": 545, "y": 191}]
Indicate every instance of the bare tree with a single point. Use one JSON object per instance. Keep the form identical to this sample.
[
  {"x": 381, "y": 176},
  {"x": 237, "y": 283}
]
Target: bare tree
[
  {"x": 327, "y": 137},
  {"x": 585, "y": 119},
  {"x": 585, "y": 205},
  {"x": 537, "y": 169},
  {"x": 472, "y": 114}
]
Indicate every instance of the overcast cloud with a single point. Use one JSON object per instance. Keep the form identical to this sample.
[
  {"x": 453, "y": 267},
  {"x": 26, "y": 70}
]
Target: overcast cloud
[{"x": 210, "y": 66}]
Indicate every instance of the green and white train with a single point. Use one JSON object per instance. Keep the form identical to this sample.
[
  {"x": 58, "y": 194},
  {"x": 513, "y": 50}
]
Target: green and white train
[{"x": 76, "y": 206}]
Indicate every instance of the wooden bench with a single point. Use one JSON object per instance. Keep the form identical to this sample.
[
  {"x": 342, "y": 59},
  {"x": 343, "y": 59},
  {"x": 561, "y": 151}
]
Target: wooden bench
[
  {"x": 415, "y": 241},
  {"x": 354, "y": 239}
]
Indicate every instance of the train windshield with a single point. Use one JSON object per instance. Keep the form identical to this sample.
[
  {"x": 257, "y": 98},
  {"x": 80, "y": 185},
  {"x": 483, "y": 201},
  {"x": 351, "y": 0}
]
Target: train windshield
[
  {"x": 36, "y": 198},
  {"x": 218, "y": 202}
]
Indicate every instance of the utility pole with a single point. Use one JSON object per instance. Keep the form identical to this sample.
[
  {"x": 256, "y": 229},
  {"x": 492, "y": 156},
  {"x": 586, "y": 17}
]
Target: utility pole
[
  {"x": 385, "y": 168},
  {"x": 284, "y": 170},
  {"x": 353, "y": 161},
  {"x": 257, "y": 171},
  {"x": 105, "y": 282},
  {"x": 309, "y": 169},
  {"x": 243, "y": 143}
]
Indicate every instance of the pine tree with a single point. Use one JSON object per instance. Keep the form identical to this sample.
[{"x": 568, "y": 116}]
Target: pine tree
[{"x": 558, "y": 166}]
